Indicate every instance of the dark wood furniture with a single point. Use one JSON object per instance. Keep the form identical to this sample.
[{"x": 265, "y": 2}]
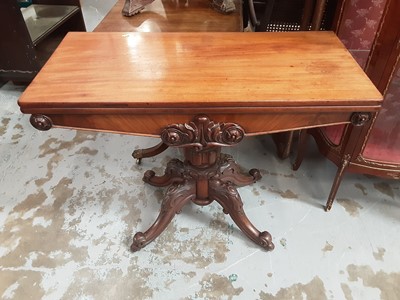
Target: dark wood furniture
[
  {"x": 172, "y": 16},
  {"x": 375, "y": 148},
  {"x": 187, "y": 90},
  {"x": 29, "y": 37},
  {"x": 290, "y": 15}
]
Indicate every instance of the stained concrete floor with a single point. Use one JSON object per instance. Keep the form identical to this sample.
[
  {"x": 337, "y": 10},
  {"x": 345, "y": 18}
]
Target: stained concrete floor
[{"x": 70, "y": 202}]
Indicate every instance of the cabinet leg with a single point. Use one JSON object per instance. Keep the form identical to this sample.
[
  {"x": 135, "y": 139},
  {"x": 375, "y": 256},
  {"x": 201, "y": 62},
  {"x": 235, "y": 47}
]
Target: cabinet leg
[
  {"x": 283, "y": 142},
  {"x": 336, "y": 182},
  {"x": 301, "y": 149}
]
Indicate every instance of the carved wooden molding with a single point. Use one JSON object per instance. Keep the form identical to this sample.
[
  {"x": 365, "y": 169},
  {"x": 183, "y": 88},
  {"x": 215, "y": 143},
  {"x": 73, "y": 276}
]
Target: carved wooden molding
[
  {"x": 41, "y": 122},
  {"x": 202, "y": 133}
]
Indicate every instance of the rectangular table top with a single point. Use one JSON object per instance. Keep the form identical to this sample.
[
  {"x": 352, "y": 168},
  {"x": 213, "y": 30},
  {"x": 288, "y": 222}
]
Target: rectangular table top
[{"x": 161, "y": 71}]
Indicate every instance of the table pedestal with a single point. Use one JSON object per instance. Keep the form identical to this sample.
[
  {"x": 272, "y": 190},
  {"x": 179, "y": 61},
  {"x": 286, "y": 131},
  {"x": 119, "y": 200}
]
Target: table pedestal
[{"x": 205, "y": 175}]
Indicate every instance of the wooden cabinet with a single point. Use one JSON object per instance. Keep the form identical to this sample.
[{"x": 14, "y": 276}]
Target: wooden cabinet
[{"x": 28, "y": 36}]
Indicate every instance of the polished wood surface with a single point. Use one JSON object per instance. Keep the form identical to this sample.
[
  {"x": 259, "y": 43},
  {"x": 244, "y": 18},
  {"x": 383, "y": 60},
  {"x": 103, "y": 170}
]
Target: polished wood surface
[
  {"x": 173, "y": 16},
  {"x": 188, "y": 70},
  {"x": 139, "y": 82}
]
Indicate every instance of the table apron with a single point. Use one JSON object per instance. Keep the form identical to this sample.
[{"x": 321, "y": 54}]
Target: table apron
[{"x": 152, "y": 125}]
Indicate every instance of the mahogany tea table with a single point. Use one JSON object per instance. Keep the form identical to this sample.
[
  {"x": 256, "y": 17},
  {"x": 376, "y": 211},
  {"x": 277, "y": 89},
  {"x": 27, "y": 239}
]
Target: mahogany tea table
[{"x": 199, "y": 91}]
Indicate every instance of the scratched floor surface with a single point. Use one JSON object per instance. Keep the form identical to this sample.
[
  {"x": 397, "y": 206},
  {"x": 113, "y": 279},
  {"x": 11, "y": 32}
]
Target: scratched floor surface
[{"x": 70, "y": 202}]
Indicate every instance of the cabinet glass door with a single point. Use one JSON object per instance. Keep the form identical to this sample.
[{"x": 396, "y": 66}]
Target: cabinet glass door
[{"x": 41, "y": 20}]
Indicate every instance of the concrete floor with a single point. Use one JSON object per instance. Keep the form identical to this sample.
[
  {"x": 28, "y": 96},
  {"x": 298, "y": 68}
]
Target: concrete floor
[{"x": 70, "y": 202}]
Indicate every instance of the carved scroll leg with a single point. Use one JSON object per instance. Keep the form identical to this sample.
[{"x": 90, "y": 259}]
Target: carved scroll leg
[
  {"x": 230, "y": 172},
  {"x": 228, "y": 197},
  {"x": 174, "y": 173},
  {"x": 336, "y": 182},
  {"x": 149, "y": 152},
  {"x": 239, "y": 179},
  {"x": 301, "y": 149},
  {"x": 175, "y": 198}
]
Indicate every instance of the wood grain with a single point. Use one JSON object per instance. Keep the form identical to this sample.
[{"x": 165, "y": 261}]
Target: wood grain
[
  {"x": 139, "y": 82},
  {"x": 121, "y": 70}
]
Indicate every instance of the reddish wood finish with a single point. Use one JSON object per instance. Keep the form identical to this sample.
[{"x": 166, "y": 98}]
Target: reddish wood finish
[
  {"x": 203, "y": 177},
  {"x": 186, "y": 71},
  {"x": 164, "y": 84}
]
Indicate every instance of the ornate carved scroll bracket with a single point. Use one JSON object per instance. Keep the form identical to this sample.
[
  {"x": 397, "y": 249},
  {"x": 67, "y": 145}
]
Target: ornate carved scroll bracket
[
  {"x": 202, "y": 133},
  {"x": 360, "y": 118},
  {"x": 41, "y": 122}
]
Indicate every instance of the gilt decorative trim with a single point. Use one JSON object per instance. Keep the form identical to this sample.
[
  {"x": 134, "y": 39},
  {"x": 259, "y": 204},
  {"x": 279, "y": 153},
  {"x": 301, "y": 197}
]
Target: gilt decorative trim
[
  {"x": 375, "y": 163},
  {"x": 202, "y": 133}
]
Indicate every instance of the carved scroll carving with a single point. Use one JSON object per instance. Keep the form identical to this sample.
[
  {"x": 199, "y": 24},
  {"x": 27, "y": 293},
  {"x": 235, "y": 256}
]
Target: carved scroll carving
[
  {"x": 41, "y": 122},
  {"x": 217, "y": 182},
  {"x": 202, "y": 133},
  {"x": 359, "y": 119}
]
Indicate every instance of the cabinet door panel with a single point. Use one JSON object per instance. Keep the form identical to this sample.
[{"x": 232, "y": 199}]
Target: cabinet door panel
[{"x": 17, "y": 53}]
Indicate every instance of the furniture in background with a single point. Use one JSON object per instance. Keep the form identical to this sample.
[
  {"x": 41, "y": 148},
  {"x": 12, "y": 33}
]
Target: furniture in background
[
  {"x": 290, "y": 15},
  {"x": 30, "y": 36},
  {"x": 197, "y": 15},
  {"x": 374, "y": 149},
  {"x": 172, "y": 16},
  {"x": 149, "y": 88}
]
